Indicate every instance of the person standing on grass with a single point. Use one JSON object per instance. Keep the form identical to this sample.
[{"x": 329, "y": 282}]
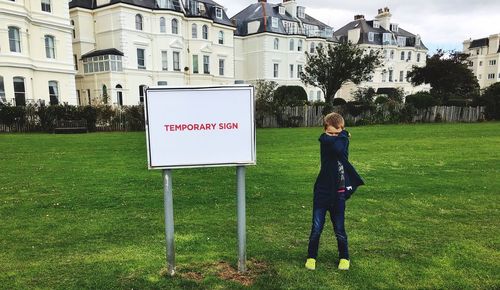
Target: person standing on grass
[{"x": 335, "y": 183}]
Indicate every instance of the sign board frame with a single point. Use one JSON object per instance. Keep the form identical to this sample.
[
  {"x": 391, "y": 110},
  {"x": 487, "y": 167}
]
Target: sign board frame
[{"x": 249, "y": 89}]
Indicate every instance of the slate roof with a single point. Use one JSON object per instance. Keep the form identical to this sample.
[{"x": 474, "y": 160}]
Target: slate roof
[
  {"x": 210, "y": 8},
  {"x": 479, "y": 42},
  {"x": 366, "y": 26},
  {"x": 108, "y": 51},
  {"x": 264, "y": 12}
]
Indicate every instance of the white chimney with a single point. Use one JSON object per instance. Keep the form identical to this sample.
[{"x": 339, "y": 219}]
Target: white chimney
[{"x": 384, "y": 18}]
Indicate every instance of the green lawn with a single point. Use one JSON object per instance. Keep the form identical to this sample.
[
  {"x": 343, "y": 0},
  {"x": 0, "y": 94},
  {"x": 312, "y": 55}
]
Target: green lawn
[{"x": 83, "y": 211}]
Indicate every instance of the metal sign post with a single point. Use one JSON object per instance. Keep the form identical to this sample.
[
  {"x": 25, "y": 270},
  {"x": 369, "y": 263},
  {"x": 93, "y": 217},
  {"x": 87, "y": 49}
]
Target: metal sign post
[
  {"x": 169, "y": 220},
  {"x": 242, "y": 239}
]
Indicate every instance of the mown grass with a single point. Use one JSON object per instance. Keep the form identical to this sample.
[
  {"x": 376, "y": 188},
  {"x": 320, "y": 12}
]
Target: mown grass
[{"x": 82, "y": 211}]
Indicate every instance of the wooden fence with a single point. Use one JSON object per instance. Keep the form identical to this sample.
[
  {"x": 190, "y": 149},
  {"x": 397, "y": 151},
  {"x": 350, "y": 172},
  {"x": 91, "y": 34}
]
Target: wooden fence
[
  {"x": 311, "y": 116},
  {"x": 304, "y": 116}
]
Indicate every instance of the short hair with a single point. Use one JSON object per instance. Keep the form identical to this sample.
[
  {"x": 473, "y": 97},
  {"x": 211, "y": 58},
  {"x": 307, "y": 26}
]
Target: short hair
[{"x": 333, "y": 119}]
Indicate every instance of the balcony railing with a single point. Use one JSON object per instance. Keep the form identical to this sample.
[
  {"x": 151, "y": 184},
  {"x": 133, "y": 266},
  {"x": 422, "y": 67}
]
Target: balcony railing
[{"x": 322, "y": 33}]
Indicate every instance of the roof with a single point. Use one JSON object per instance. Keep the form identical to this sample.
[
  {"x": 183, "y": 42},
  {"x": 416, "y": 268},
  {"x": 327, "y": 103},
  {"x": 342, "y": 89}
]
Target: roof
[
  {"x": 263, "y": 13},
  {"x": 99, "y": 52},
  {"x": 366, "y": 26},
  {"x": 479, "y": 42},
  {"x": 209, "y": 11}
]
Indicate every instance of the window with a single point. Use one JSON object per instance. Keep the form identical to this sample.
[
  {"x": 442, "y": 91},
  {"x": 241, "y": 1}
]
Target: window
[
  {"x": 276, "y": 43},
  {"x": 479, "y": 77},
  {"x": 204, "y": 32},
  {"x": 386, "y": 38},
  {"x": 299, "y": 45},
  {"x": 491, "y": 76},
  {"x": 53, "y": 93},
  {"x": 141, "y": 93},
  {"x": 46, "y": 5},
  {"x": 119, "y": 95},
  {"x": 291, "y": 71},
  {"x": 401, "y": 41},
  {"x": 383, "y": 75},
  {"x": 312, "y": 47},
  {"x": 402, "y": 55},
  {"x": 221, "y": 37},
  {"x": 394, "y": 27},
  {"x": 19, "y": 91},
  {"x": 493, "y": 62},
  {"x": 392, "y": 54},
  {"x": 14, "y": 39},
  {"x": 165, "y": 4},
  {"x": 218, "y": 12},
  {"x": 318, "y": 95},
  {"x": 164, "y": 60},
  {"x": 418, "y": 57},
  {"x": 206, "y": 64},
  {"x": 75, "y": 61},
  {"x": 274, "y": 22},
  {"x": 390, "y": 75},
  {"x": 194, "y": 31},
  {"x": 138, "y": 22},
  {"x": 401, "y": 75},
  {"x": 371, "y": 36},
  {"x": 301, "y": 13},
  {"x": 386, "y": 54},
  {"x": 141, "y": 61},
  {"x": 409, "y": 55},
  {"x": 376, "y": 24},
  {"x": 195, "y": 64},
  {"x": 177, "y": 57},
  {"x": 102, "y": 63},
  {"x": 74, "y": 31},
  {"x": 163, "y": 26},
  {"x": 2, "y": 91},
  {"x": 175, "y": 26},
  {"x": 292, "y": 45},
  {"x": 50, "y": 51},
  {"x": 275, "y": 70},
  {"x": 162, "y": 83},
  {"x": 282, "y": 10},
  {"x": 299, "y": 70},
  {"x": 480, "y": 63},
  {"x": 221, "y": 67},
  {"x": 407, "y": 76}
]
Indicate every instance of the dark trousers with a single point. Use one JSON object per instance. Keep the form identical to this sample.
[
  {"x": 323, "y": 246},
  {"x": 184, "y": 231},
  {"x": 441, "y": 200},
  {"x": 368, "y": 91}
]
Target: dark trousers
[{"x": 337, "y": 211}]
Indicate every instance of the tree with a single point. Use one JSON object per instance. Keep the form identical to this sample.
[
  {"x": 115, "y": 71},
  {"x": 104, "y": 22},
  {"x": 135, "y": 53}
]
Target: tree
[
  {"x": 421, "y": 100},
  {"x": 336, "y": 65},
  {"x": 448, "y": 75},
  {"x": 264, "y": 94},
  {"x": 365, "y": 96},
  {"x": 491, "y": 100}
]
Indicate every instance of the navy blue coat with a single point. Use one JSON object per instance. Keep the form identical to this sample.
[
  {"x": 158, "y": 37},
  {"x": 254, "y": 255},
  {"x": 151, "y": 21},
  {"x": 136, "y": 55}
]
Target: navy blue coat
[{"x": 333, "y": 149}]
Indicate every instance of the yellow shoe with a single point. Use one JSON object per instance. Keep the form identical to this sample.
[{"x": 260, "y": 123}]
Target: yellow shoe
[
  {"x": 344, "y": 264},
  {"x": 311, "y": 264}
]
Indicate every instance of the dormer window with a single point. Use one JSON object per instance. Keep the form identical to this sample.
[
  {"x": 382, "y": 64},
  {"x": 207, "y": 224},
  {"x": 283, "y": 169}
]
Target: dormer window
[
  {"x": 282, "y": 10},
  {"x": 376, "y": 24},
  {"x": 371, "y": 36},
  {"x": 386, "y": 38},
  {"x": 401, "y": 41},
  {"x": 301, "y": 12},
  {"x": 274, "y": 22},
  {"x": 218, "y": 12},
  {"x": 394, "y": 27}
]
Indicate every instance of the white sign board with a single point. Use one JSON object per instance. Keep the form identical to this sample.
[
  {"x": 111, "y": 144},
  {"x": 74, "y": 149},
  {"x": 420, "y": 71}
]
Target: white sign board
[{"x": 200, "y": 126}]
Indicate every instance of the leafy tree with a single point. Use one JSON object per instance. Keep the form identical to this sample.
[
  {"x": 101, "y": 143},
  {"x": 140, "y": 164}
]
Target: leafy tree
[
  {"x": 491, "y": 99},
  {"x": 264, "y": 94},
  {"x": 448, "y": 75},
  {"x": 365, "y": 95},
  {"x": 331, "y": 67}
]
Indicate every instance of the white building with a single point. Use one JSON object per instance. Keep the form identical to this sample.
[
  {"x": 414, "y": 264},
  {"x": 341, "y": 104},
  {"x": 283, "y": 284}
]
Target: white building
[
  {"x": 271, "y": 41},
  {"x": 484, "y": 59},
  {"x": 401, "y": 50},
  {"x": 123, "y": 46},
  {"x": 36, "y": 63}
]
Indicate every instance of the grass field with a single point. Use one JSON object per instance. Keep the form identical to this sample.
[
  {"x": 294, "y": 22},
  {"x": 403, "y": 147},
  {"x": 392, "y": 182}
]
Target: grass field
[{"x": 83, "y": 211}]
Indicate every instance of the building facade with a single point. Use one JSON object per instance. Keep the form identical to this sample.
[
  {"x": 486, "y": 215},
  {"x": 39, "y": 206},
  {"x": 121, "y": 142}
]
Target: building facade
[
  {"x": 36, "y": 63},
  {"x": 484, "y": 59},
  {"x": 401, "y": 50},
  {"x": 271, "y": 41},
  {"x": 121, "y": 47}
]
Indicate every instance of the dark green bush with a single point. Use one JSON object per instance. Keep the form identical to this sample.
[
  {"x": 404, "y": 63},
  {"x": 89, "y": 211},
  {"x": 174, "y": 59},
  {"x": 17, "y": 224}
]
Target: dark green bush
[
  {"x": 422, "y": 100},
  {"x": 290, "y": 96}
]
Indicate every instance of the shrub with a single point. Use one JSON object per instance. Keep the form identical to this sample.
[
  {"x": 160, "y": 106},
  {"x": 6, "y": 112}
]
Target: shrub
[
  {"x": 491, "y": 99},
  {"x": 421, "y": 100},
  {"x": 339, "y": 102},
  {"x": 290, "y": 96},
  {"x": 12, "y": 114}
]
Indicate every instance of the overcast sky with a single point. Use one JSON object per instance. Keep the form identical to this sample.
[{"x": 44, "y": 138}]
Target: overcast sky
[{"x": 441, "y": 23}]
